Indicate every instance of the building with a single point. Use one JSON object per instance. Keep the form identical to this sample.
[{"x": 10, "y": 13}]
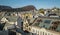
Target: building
[
  {"x": 10, "y": 22},
  {"x": 19, "y": 23},
  {"x": 27, "y": 11},
  {"x": 4, "y": 20},
  {"x": 45, "y": 26},
  {"x": 3, "y": 33},
  {"x": 13, "y": 32},
  {"x": 25, "y": 25}
]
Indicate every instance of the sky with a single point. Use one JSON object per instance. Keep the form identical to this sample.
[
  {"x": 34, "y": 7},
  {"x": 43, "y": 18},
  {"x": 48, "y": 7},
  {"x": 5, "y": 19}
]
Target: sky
[{"x": 37, "y": 3}]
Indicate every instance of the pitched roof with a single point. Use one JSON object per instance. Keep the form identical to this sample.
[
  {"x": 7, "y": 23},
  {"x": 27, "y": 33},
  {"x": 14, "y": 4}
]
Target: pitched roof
[
  {"x": 9, "y": 26},
  {"x": 11, "y": 18}
]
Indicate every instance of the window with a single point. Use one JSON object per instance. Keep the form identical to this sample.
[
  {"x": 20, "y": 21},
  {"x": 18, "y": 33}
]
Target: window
[
  {"x": 21, "y": 23},
  {"x": 36, "y": 24},
  {"x": 45, "y": 33},
  {"x": 47, "y": 21},
  {"x": 40, "y": 33},
  {"x": 48, "y": 34},
  {"x": 26, "y": 17},
  {"x": 39, "y": 20},
  {"x": 11, "y": 32},
  {"x": 43, "y": 25},
  {"x": 34, "y": 34},
  {"x": 35, "y": 31}
]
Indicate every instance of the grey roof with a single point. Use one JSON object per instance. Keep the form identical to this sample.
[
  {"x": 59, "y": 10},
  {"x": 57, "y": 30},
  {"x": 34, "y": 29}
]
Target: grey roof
[
  {"x": 9, "y": 26},
  {"x": 45, "y": 23},
  {"x": 12, "y": 18},
  {"x": 3, "y": 33}
]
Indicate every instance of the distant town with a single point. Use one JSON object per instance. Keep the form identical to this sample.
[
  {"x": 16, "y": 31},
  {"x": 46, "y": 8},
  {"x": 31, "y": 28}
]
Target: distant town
[{"x": 28, "y": 20}]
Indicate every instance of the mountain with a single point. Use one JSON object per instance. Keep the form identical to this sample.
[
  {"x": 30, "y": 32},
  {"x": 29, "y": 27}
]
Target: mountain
[
  {"x": 25, "y": 8},
  {"x": 29, "y": 7},
  {"x": 4, "y": 7}
]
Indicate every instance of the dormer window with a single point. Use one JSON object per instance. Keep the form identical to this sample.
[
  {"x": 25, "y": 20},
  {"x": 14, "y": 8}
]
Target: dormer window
[{"x": 39, "y": 20}]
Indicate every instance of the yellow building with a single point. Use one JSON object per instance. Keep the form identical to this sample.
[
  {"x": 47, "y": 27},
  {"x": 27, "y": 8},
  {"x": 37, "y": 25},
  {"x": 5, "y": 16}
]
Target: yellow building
[
  {"x": 27, "y": 15},
  {"x": 25, "y": 25}
]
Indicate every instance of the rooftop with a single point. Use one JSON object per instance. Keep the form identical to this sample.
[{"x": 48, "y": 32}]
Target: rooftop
[
  {"x": 11, "y": 18},
  {"x": 47, "y": 23},
  {"x": 9, "y": 26},
  {"x": 58, "y": 18}
]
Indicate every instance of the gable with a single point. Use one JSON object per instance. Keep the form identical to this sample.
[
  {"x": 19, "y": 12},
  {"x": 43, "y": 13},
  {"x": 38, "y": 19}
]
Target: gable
[{"x": 4, "y": 19}]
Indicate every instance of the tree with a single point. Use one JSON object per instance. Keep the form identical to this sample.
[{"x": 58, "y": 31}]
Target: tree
[{"x": 41, "y": 11}]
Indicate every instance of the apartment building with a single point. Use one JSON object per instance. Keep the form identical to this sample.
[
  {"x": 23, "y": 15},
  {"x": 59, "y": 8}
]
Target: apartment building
[{"x": 45, "y": 26}]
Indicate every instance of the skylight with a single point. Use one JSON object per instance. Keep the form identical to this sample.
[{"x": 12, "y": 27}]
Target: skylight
[{"x": 47, "y": 21}]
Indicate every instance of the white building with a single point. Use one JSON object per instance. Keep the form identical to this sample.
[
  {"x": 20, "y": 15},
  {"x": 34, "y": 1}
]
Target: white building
[
  {"x": 4, "y": 20},
  {"x": 42, "y": 31},
  {"x": 45, "y": 26}
]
